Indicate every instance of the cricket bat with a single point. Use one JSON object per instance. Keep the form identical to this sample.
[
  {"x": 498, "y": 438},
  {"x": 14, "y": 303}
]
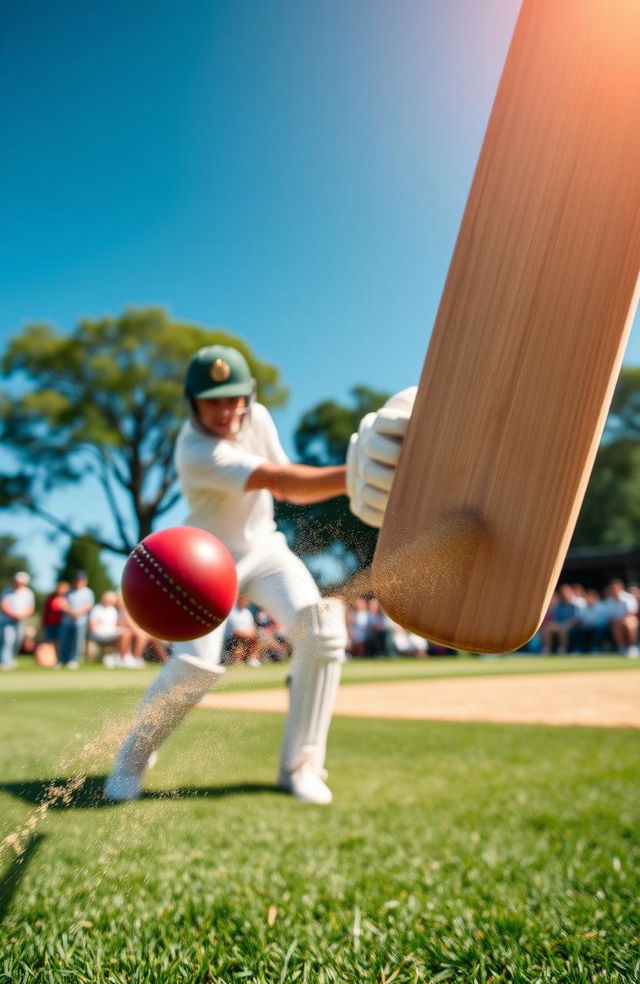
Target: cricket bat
[{"x": 528, "y": 340}]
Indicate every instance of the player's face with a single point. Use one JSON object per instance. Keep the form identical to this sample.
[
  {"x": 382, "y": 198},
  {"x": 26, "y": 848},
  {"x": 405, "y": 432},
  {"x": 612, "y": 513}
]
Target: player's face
[{"x": 222, "y": 416}]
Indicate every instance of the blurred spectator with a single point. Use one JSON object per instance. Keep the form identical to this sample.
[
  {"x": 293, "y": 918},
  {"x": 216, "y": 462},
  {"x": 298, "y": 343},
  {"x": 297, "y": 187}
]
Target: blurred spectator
[
  {"x": 535, "y": 643},
  {"x": 273, "y": 646},
  {"x": 357, "y": 628},
  {"x": 16, "y": 604},
  {"x": 378, "y": 630},
  {"x": 373, "y": 633},
  {"x": 622, "y": 613},
  {"x": 592, "y": 630},
  {"x": 563, "y": 619},
  {"x": 407, "y": 643},
  {"x": 55, "y": 604},
  {"x": 141, "y": 642},
  {"x": 106, "y": 628},
  {"x": 579, "y": 595},
  {"x": 73, "y": 628},
  {"x": 29, "y": 639},
  {"x": 243, "y": 633}
]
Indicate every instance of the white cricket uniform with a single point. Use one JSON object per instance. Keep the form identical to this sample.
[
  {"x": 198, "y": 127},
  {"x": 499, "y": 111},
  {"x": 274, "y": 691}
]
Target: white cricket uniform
[{"x": 213, "y": 473}]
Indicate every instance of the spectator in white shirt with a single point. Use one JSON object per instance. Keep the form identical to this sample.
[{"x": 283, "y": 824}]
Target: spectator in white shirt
[
  {"x": 407, "y": 643},
  {"x": 106, "y": 628},
  {"x": 622, "y": 613},
  {"x": 579, "y": 595},
  {"x": 16, "y": 605}
]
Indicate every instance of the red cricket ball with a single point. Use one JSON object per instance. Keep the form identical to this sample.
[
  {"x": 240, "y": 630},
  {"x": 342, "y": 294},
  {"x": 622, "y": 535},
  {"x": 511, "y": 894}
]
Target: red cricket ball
[{"x": 179, "y": 583}]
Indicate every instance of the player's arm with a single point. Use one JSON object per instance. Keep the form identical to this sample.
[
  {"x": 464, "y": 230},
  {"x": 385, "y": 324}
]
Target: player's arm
[
  {"x": 372, "y": 457},
  {"x": 299, "y": 484}
]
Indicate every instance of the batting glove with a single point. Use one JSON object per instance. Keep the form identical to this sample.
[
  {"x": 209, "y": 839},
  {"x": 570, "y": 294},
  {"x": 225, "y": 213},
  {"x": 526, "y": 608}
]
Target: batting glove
[{"x": 373, "y": 454}]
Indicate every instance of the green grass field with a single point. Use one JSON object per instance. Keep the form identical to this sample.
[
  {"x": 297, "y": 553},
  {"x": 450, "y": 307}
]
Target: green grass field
[{"x": 452, "y": 852}]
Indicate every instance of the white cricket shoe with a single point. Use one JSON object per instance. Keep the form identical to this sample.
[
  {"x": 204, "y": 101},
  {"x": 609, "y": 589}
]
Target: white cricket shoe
[
  {"x": 122, "y": 785},
  {"x": 179, "y": 686},
  {"x": 306, "y": 784}
]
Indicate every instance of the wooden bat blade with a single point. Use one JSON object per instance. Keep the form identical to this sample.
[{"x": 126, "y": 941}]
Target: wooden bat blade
[{"x": 529, "y": 336}]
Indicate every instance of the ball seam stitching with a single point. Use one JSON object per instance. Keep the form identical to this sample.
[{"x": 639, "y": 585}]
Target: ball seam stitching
[{"x": 193, "y": 607}]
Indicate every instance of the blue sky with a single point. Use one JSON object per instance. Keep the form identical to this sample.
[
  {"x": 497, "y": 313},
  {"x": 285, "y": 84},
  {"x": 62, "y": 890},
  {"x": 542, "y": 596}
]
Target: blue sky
[{"x": 292, "y": 171}]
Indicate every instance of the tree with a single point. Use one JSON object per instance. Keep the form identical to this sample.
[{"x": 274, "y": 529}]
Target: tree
[
  {"x": 623, "y": 421},
  {"x": 610, "y": 513},
  {"x": 83, "y": 554},
  {"x": 10, "y": 562},
  {"x": 104, "y": 401},
  {"x": 330, "y": 528}
]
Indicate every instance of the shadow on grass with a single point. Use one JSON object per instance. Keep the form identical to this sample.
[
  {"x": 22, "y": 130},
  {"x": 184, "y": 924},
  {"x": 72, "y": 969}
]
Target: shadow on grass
[
  {"x": 83, "y": 793},
  {"x": 16, "y": 870}
]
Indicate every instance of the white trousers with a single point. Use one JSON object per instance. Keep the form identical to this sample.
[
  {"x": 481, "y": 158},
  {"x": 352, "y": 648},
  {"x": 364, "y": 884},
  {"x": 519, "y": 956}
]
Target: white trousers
[
  {"x": 276, "y": 579},
  {"x": 273, "y": 578}
]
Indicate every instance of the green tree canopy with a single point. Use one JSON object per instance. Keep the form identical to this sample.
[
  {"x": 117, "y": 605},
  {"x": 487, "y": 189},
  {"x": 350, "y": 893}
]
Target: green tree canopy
[
  {"x": 623, "y": 422},
  {"x": 330, "y": 528},
  {"x": 83, "y": 554},
  {"x": 10, "y": 561},
  {"x": 105, "y": 401},
  {"x": 610, "y": 514}
]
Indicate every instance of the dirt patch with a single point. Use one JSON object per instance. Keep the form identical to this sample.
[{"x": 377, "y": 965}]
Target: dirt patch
[{"x": 608, "y": 699}]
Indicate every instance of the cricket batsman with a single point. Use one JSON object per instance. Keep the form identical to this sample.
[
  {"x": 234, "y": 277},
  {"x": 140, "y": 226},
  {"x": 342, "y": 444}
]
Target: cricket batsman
[{"x": 231, "y": 466}]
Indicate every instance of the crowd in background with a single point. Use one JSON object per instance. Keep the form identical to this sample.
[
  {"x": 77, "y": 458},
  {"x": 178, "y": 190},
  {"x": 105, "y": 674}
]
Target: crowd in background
[
  {"x": 578, "y": 620},
  {"x": 73, "y": 627},
  {"x": 372, "y": 633},
  {"x": 587, "y": 621}
]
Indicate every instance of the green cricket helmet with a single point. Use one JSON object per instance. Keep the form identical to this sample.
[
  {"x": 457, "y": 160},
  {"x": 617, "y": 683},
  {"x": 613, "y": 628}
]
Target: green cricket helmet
[{"x": 219, "y": 371}]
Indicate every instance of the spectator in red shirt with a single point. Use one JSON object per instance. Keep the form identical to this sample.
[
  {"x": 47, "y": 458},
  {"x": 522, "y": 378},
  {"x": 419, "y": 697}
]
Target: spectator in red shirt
[{"x": 54, "y": 607}]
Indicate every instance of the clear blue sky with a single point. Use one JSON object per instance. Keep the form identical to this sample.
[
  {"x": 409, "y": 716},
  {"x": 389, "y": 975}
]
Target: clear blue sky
[{"x": 292, "y": 171}]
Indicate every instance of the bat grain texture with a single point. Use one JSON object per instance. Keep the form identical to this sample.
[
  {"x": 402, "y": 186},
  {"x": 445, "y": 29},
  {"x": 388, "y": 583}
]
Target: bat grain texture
[{"x": 529, "y": 337}]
